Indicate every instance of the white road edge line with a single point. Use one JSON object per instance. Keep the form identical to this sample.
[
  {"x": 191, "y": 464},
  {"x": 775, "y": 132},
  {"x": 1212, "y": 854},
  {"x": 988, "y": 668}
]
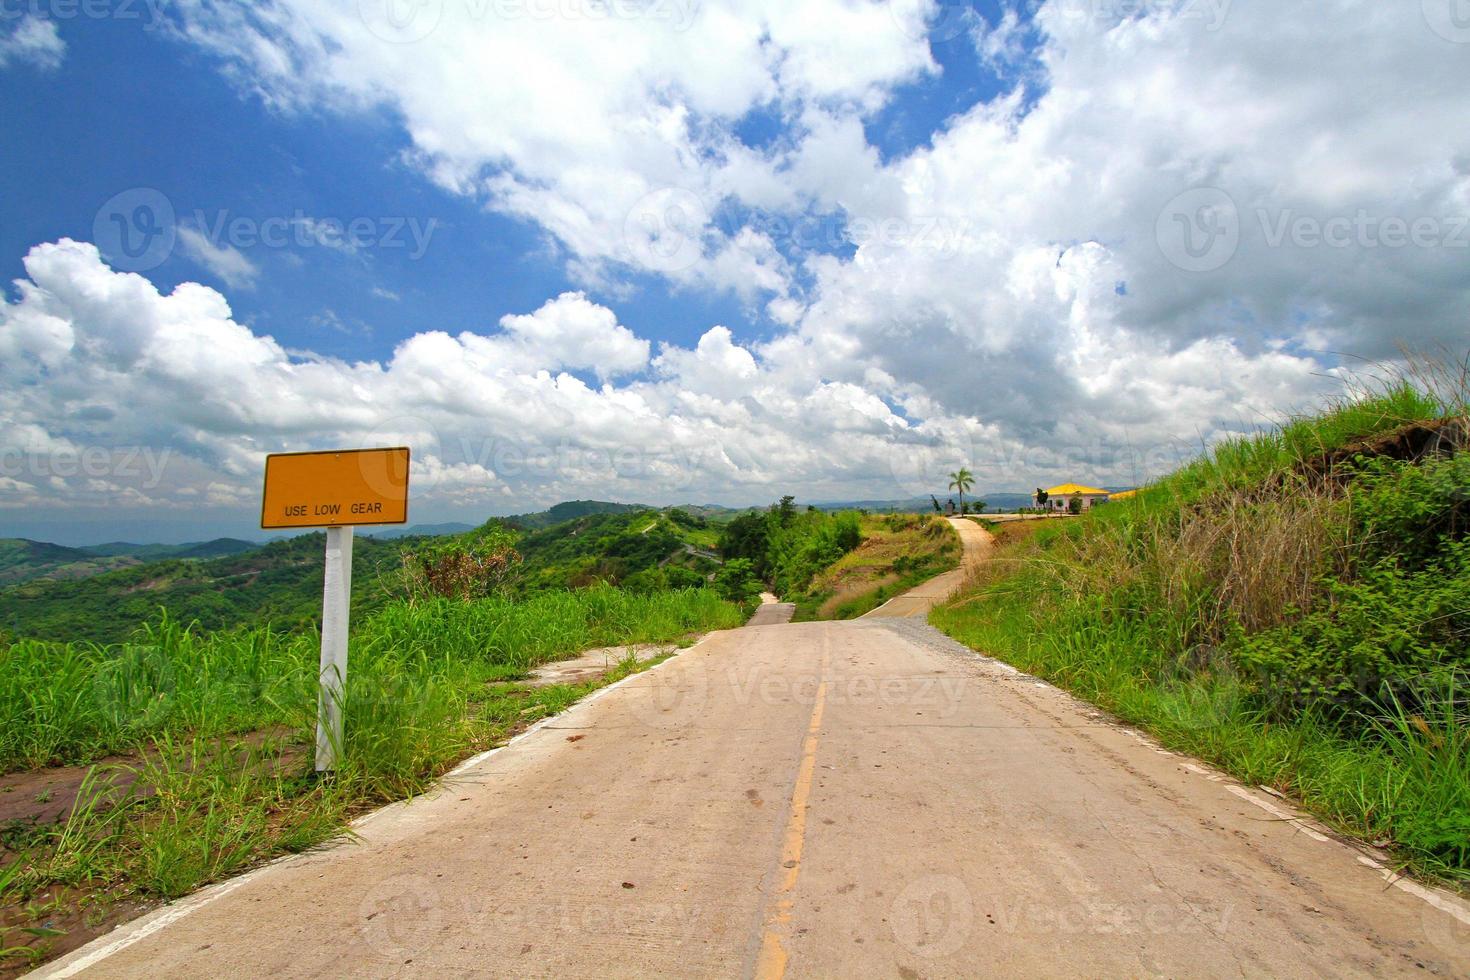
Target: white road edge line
[
  {"x": 1276, "y": 811},
  {"x": 99, "y": 949},
  {"x": 1444, "y": 903}
]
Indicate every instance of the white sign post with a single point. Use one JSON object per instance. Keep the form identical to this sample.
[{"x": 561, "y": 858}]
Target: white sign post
[
  {"x": 336, "y": 602},
  {"x": 336, "y": 489}
]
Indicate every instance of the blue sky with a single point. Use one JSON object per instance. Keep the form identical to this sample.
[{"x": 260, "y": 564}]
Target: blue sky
[
  {"x": 112, "y": 121},
  {"x": 714, "y": 251}
]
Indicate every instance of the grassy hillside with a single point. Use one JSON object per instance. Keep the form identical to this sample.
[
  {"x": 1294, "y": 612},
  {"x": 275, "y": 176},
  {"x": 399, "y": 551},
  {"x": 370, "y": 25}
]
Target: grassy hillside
[
  {"x": 645, "y": 549},
  {"x": 218, "y": 548},
  {"x": 280, "y": 583},
  {"x": 23, "y": 561},
  {"x": 569, "y": 510},
  {"x": 1295, "y": 607},
  {"x": 898, "y": 552}
]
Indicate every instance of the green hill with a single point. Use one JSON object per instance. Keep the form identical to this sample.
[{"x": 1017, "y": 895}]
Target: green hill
[
  {"x": 278, "y": 583},
  {"x": 103, "y": 593},
  {"x": 1294, "y": 607},
  {"x": 567, "y": 511},
  {"x": 22, "y": 560},
  {"x": 218, "y": 548}
]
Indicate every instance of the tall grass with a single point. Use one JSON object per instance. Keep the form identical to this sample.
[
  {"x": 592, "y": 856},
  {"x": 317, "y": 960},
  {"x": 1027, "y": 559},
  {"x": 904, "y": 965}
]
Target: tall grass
[
  {"x": 219, "y": 727},
  {"x": 1217, "y": 609},
  {"x": 68, "y": 703}
]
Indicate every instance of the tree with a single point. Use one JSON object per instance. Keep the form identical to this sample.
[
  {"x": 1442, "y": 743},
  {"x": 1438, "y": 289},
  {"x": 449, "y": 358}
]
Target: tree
[
  {"x": 748, "y": 536},
  {"x": 470, "y": 566},
  {"x": 937, "y": 508},
  {"x": 1041, "y": 497},
  {"x": 1074, "y": 506},
  {"x": 979, "y": 506},
  {"x": 961, "y": 480},
  {"x": 786, "y": 510},
  {"x": 737, "y": 582}
]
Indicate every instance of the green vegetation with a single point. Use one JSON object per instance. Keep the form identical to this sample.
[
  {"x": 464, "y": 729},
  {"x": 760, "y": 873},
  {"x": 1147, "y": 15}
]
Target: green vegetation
[
  {"x": 279, "y": 584},
  {"x": 1295, "y": 607},
  {"x": 898, "y": 552},
  {"x": 643, "y": 548},
  {"x": 787, "y": 547},
  {"x": 219, "y": 726},
  {"x": 23, "y": 561},
  {"x": 961, "y": 480}
]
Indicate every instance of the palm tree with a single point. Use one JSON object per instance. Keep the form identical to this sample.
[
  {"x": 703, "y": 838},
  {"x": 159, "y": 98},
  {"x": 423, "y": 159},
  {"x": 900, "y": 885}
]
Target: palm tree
[{"x": 961, "y": 480}]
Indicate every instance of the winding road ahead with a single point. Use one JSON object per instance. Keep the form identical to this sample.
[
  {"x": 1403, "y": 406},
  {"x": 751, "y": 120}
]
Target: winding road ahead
[{"x": 821, "y": 799}]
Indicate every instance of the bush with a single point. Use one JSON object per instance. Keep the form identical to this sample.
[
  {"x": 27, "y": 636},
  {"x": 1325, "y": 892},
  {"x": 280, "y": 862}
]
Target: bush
[
  {"x": 479, "y": 565},
  {"x": 1388, "y": 633},
  {"x": 736, "y": 581}
]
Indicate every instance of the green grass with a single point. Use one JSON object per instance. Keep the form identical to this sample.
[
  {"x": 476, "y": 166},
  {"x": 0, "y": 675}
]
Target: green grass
[
  {"x": 220, "y": 727},
  {"x": 1299, "y": 632},
  {"x": 914, "y": 548}
]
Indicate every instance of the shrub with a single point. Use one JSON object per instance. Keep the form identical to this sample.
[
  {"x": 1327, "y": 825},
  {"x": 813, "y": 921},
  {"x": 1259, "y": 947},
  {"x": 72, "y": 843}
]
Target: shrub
[
  {"x": 1388, "y": 630},
  {"x": 483, "y": 564}
]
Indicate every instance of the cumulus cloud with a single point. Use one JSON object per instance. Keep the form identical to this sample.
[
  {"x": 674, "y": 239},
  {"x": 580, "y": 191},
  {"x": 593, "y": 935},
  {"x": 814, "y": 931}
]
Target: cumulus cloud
[
  {"x": 1108, "y": 266},
  {"x": 34, "y": 41},
  {"x": 579, "y": 122},
  {"x": 92, "y": 358}
]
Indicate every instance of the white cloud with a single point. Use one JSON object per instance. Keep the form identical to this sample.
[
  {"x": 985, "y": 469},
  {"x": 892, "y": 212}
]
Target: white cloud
[
  {"x": 573, "y": 121},
  {"x": 225, "y": 261},
  {"x": 33, "y": 40},
  {"x": 1015, "y": 300},
  {"x": 98, "y": 358}
]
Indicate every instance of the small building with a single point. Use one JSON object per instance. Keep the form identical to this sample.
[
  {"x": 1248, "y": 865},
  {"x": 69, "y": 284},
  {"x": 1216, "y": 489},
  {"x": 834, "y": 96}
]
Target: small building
[{"x": 1059, "y": 498}]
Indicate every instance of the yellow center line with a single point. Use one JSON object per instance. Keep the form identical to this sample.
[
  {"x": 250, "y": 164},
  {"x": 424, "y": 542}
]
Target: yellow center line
[{"x": 773, "y": 956}]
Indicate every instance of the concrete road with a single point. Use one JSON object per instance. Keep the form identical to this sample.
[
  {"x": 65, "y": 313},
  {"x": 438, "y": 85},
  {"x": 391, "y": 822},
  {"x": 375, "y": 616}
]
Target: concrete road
[
  {"x": 976, "y": 542},
  {"x": 816, "y": 800}
]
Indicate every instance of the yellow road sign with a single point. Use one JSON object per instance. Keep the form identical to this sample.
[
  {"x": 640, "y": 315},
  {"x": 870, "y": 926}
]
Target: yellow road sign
[{"x": 336, "y": 488}]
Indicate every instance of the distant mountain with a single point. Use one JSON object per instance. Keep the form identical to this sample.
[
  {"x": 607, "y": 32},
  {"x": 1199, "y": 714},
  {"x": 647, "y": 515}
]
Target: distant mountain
[
  {"x": 23, "y": 560},
  {"x": 1000, "y": 501},
  {"x": 570, "y": 510},
  {"x": 281, "y": 582},
  {"x": 278, "y": 583},
  {"x": 218, "y": 548},
  {"x": 422, "y": 531}
]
